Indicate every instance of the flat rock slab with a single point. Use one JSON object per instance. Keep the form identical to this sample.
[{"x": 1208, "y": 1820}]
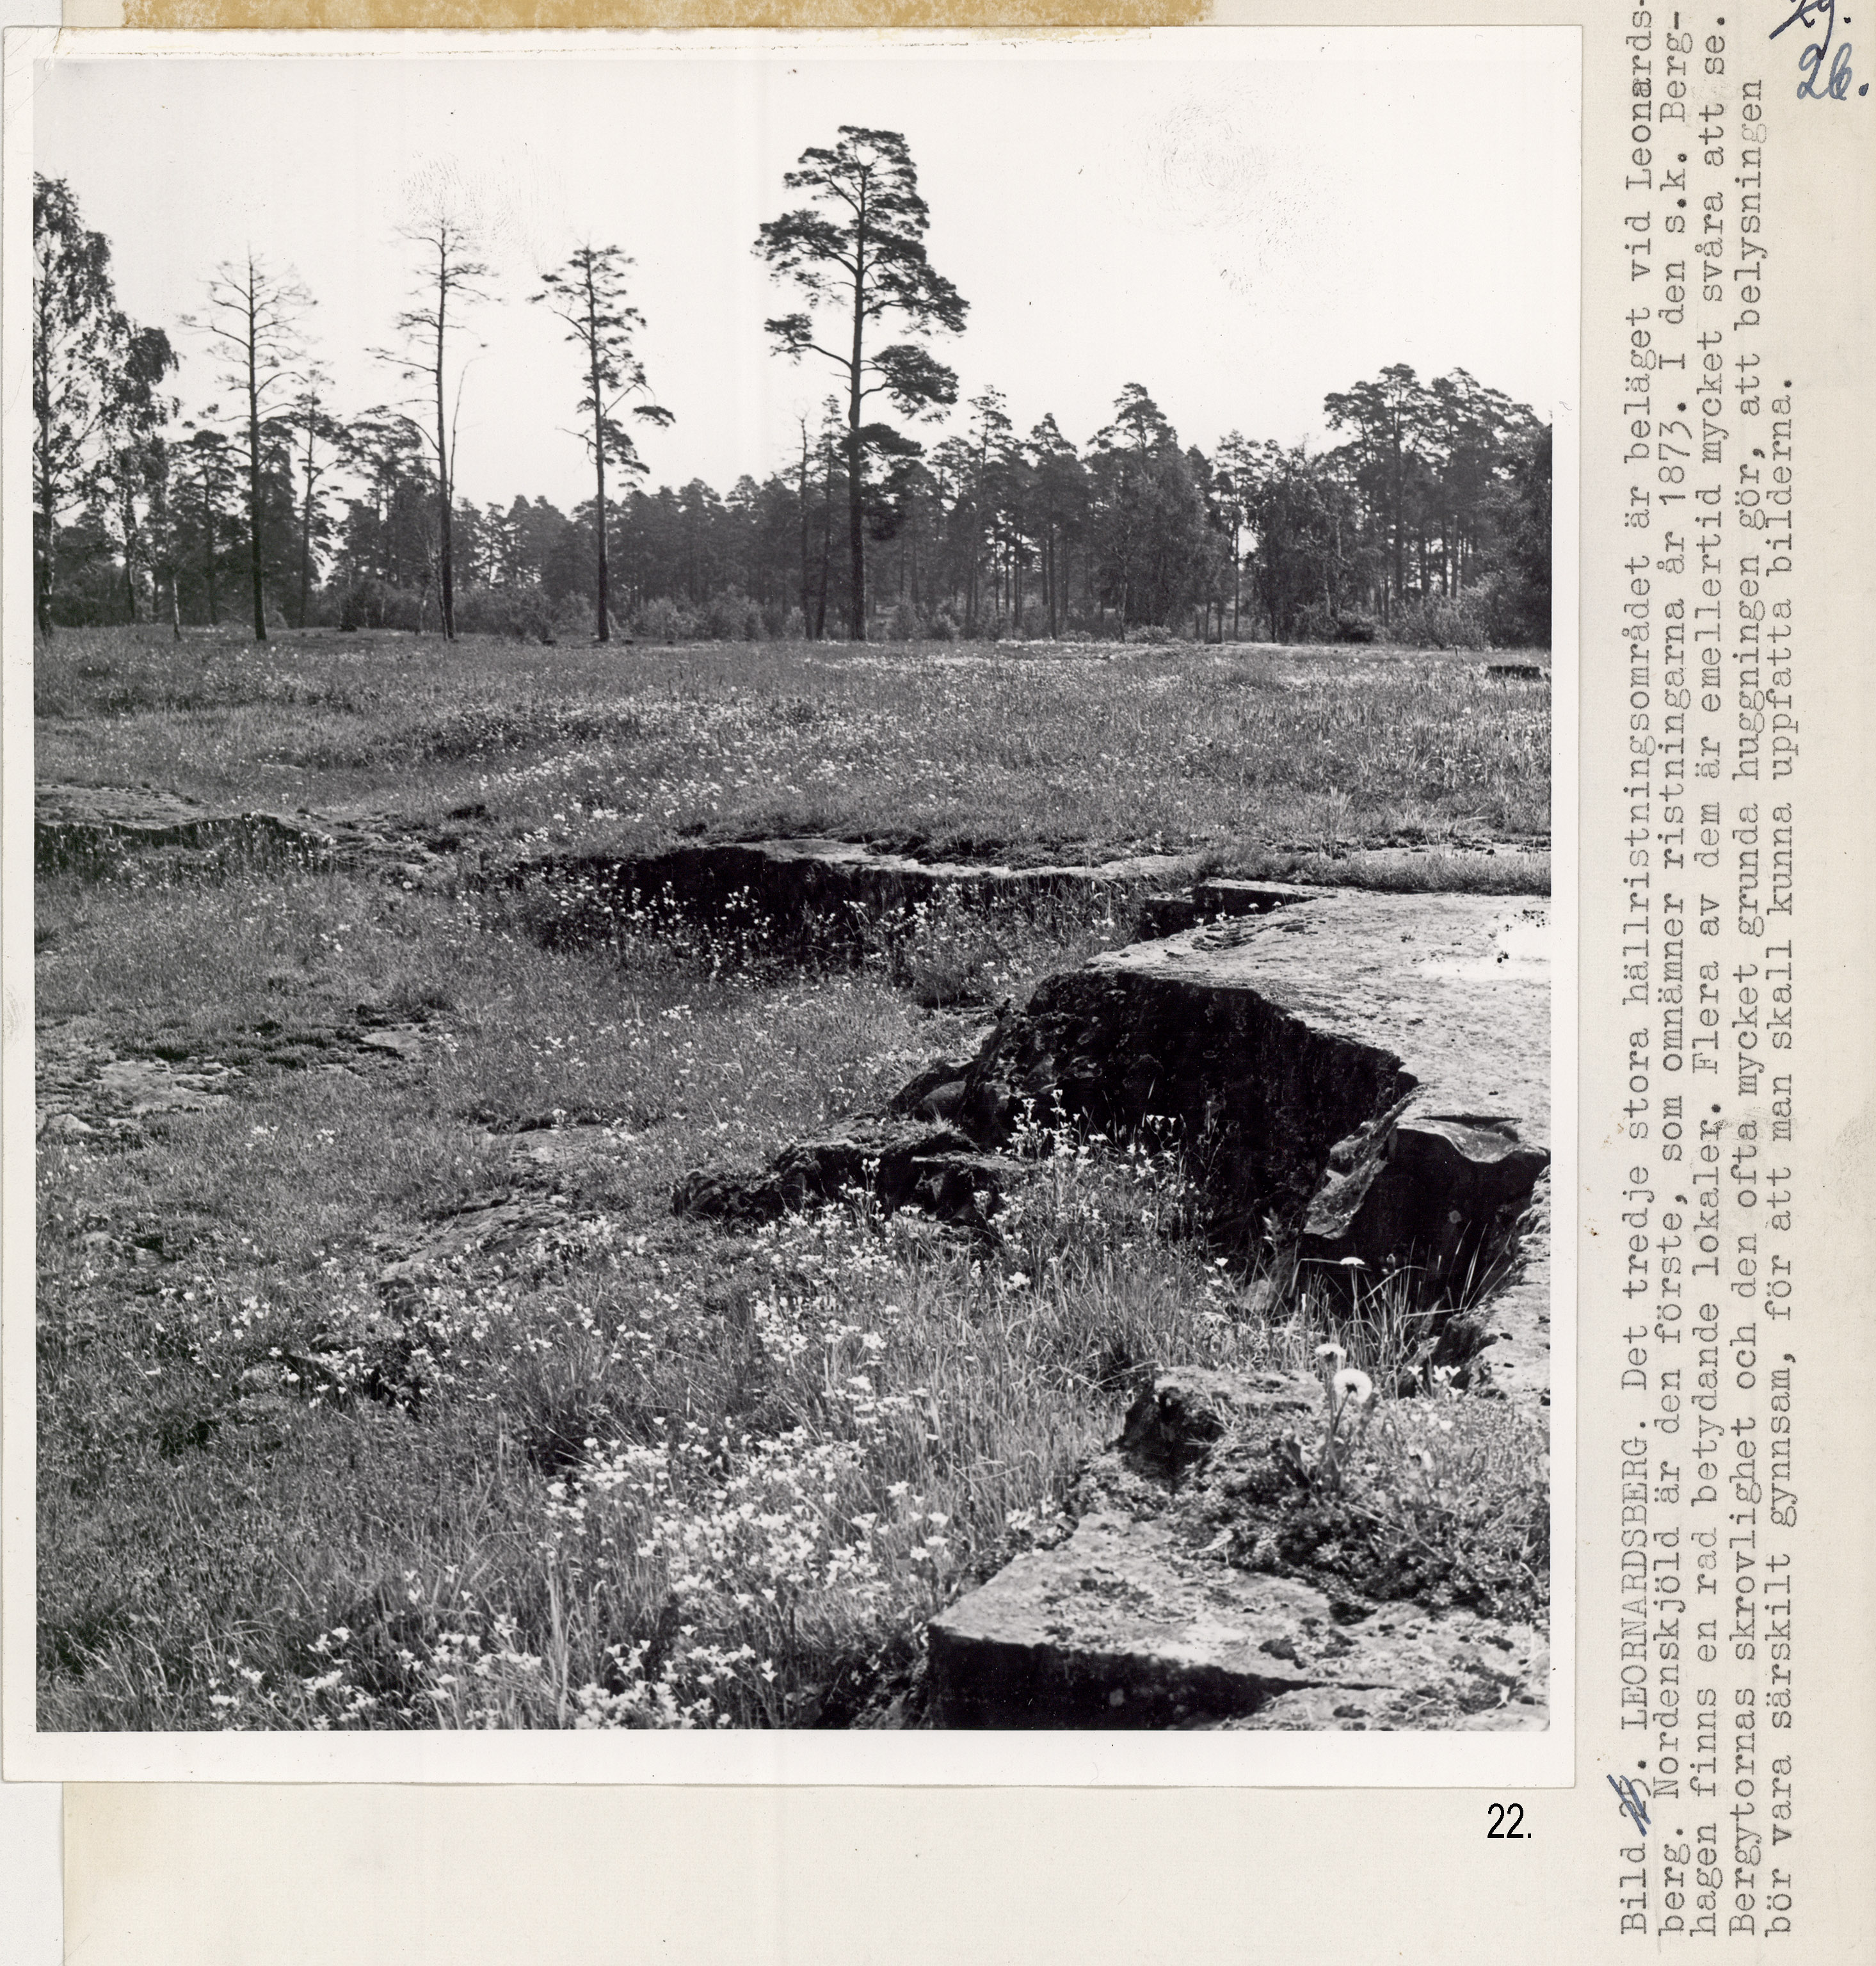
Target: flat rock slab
[
  {"x": 1121, "y": 1627},
  {"x": 397, "y": 1040},
  {"x": 90, "y": 828},
  {"x": 82, "y": 1086},
  {"x": 561, "y": 1147},
  {"x": 140, "y": 1086},
  {"x": 83, "y": 825},
  {"x": 501, "y": 1235},
  {"x": 1456, "y": 986}
]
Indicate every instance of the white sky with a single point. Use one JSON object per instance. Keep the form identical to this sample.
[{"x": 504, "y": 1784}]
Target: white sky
[{"x": 1241, "y": 233}]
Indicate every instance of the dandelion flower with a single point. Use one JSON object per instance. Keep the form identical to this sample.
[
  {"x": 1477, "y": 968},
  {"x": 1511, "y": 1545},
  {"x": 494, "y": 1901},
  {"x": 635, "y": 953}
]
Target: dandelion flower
[
  {"x": 1333, "y": 1351},
  {"x": 1352, "y": 1384}
]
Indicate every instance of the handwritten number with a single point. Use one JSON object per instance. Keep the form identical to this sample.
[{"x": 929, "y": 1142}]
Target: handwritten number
[
  {"x": 1835, "y": 80},
  {"x": 1634, "y": 1806}
]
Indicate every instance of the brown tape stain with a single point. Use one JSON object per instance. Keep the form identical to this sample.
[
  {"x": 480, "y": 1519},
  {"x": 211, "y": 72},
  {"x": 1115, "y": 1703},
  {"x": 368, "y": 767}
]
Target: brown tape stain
[{"x": 473, "y": 15}]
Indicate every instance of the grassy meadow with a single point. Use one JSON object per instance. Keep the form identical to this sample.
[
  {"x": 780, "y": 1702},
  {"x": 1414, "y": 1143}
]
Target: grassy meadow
[
  {"x": 944, "y": 749},
  {"x": 616, "y": 1468}
]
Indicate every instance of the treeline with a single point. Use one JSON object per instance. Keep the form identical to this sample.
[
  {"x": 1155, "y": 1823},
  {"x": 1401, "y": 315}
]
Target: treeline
[{"x": 1429, "y": 522}]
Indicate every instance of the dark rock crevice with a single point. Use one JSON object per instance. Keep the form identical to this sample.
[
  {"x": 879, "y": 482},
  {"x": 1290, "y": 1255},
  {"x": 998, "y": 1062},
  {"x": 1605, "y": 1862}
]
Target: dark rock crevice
[
  {"x": 897, "y": 1163},
  {"x": 830, "y": 893},
  {"x": 1256, "y": 1096}
]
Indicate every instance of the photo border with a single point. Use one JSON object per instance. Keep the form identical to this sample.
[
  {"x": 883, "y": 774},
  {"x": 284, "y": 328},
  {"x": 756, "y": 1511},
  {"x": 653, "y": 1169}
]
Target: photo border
[{"x": 1446, "y": 1759}]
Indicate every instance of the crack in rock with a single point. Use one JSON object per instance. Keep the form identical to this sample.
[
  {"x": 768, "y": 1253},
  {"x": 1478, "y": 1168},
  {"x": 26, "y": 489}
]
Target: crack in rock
[{"x": 835, "y": 887}]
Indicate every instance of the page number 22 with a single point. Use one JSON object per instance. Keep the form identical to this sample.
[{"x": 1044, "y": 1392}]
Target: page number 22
[{"x": 1508, "y": 1822}]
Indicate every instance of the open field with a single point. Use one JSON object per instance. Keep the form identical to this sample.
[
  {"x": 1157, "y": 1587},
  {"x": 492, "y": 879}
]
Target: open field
[
  {"x": 952, "y": 750},
  {"x": 379, "y": 1384}
]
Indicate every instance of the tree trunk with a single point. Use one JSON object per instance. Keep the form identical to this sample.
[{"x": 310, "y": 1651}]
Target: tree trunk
[
  {"x": 306, "y": 535},
  {"x": 444, "y": 555},
  {"x": 208, "y": 555},
  {"x": 42, "y": 572},
  {"x": 126, "y": 518},
  {"x": 827, "y": 552},
  {"x": 856, "y": 490},
  {"x": 598, "y": 455},
  {"x": 805, "y": 551},
  {"x": 1238, "y": 577},
  {"x": 254, "y": 468},
  {"x": 1400, "y": 525},
  {"x": 46, "y": 527}
]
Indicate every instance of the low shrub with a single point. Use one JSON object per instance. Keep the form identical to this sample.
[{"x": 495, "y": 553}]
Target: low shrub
[
  {"x": 731, "y": 616},
  {"x": 576, "y": 619},
  {"x": 370, "y": 603},
  {"x": 663, "y": 621},
  {"x": 1446, "y": 621},
  {"x": 513, "y": 614}
]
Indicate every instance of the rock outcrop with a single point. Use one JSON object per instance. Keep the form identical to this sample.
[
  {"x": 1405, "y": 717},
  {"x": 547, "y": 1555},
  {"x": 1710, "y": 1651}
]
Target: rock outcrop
[
  {"x": 96, "y": 830},
  {"x": 1361, "y": 1081},
  {"x": 1121, "y": 1627},
  {"x": 1369, "y": 1073},
  {"x": 899, "y": 1163},
  {"x": 1148, "y": 1615},
  {"x": 90, "y": 829},
  {"x": 832, "y": 887}
]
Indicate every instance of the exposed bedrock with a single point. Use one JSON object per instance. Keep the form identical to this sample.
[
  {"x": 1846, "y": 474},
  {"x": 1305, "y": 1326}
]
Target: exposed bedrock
[
  {"x": 86, "y": 829},
  {"x": 1147, "y": 1617},
  {"x": 832, "y": 886},
  {"x": 1361, "y": 1078},
  {"x": 1370, "y": 1070},
  {"x": 1122, "y": 1627},
  {"x": 92, "y": 830},
  {"x": 899, "y": 1162}
]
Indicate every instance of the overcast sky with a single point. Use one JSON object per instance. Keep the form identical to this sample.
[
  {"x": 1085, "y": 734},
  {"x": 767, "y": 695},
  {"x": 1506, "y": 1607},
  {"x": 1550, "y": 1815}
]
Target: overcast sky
[{"x": 1241, "y": 225}]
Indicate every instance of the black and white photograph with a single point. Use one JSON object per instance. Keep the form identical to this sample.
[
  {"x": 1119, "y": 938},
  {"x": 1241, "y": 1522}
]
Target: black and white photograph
[{"x": 792, "y": 904}]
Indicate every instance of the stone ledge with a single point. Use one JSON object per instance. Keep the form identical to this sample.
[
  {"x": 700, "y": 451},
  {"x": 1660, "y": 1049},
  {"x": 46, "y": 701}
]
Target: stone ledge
[{"x": 1120, "y": 1628}]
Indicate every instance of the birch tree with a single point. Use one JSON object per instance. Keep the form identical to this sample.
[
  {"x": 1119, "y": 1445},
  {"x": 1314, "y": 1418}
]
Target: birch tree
[{"x": 78, "y": 338}]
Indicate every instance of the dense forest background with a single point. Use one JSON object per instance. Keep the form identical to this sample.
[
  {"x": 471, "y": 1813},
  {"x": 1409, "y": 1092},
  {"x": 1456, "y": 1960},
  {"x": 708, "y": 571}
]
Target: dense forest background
[{"x": 1428, "y": 522}]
